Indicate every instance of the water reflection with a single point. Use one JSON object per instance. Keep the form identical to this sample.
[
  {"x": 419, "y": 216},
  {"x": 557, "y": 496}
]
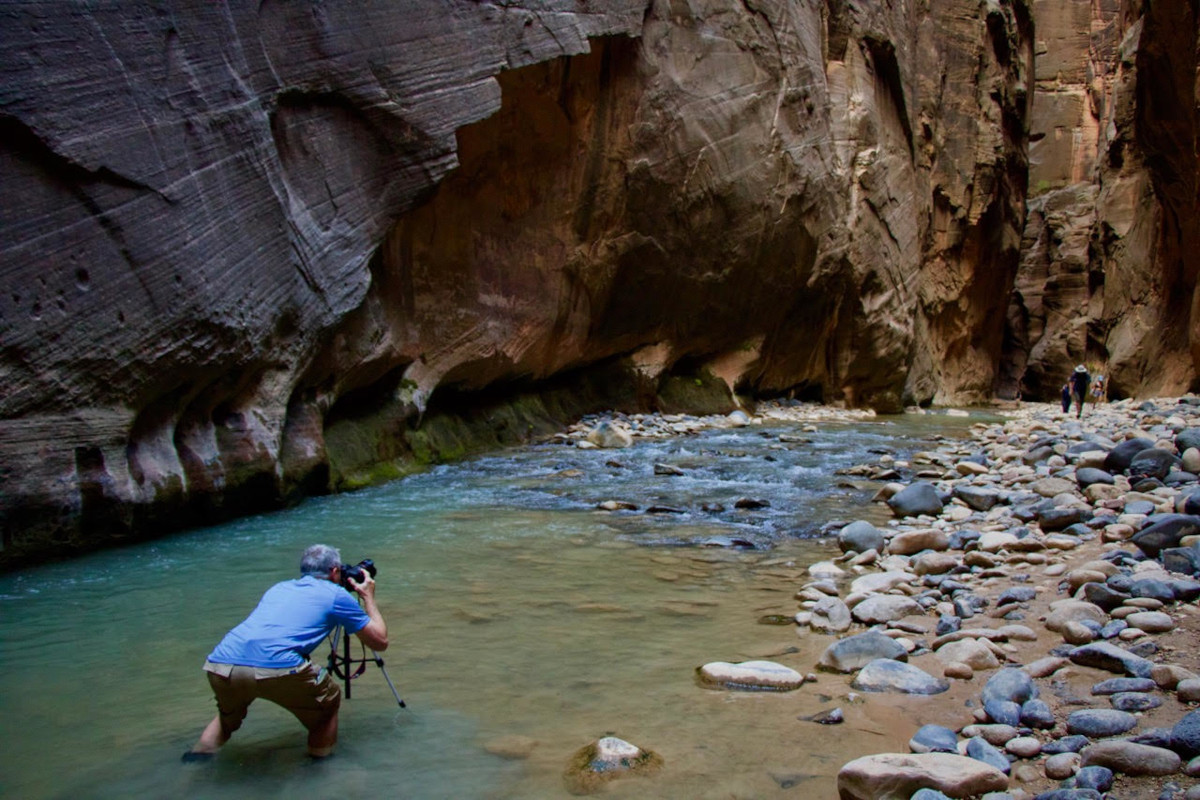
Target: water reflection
[{"x": 524, "y": 625}]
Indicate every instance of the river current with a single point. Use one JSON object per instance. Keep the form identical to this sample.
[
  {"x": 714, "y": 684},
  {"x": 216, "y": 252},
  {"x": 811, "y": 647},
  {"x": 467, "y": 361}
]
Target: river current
[{"x": 524, "y": 623}]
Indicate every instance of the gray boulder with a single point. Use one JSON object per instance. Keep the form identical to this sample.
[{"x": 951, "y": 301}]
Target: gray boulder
[
  {"x": 1086, "y": 476},
  {"x": 855, "y": 652},
  {"x": 1037, "y": 714},
  {"x": 1187, "y": 438},
  {"x": 1010, "y": 684},
  {"x": 1119, "y": 457},
  {"x": 977, "y": 498},
  {"x": 1097, "y": 723},
  {"x": 886, "y": 675},
  {"x": 979, "y": 749},
  {"x": 934, "y": 739},
  {"x": 1166, "y": 531},
  {"x": 1183, "y": 560},
  {"x": 916, "y": 499},
  {"x": 1107, "y": 656},
  {"x": 1153, "y": 462},
  {"x": 860, "y": 537},
  {"x": 1185, "y": 736}
]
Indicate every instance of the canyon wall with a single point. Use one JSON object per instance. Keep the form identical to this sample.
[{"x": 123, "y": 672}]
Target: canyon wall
[
  {"x": 253, "y": 252},
  {"x": 1109, "y": 262}
]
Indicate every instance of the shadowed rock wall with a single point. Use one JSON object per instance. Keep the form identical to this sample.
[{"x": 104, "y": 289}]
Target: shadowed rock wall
[{"x": 253, "y": 253}]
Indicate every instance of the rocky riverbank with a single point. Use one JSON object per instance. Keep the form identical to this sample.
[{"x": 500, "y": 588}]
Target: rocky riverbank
[{"x": 1044, "y": 569}]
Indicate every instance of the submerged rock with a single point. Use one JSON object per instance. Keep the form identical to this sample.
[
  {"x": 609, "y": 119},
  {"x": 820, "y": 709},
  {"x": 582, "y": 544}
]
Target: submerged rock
[{"x": 605, "y": 759}]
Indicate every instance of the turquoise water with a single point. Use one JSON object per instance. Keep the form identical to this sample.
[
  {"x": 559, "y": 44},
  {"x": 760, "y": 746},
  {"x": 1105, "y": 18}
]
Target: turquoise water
[{"x": 524, "y": 625}]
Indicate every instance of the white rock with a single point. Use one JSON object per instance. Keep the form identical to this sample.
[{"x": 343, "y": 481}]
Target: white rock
[
  {"x": 765, "y": 675},
  {"x": 1024, "y": 746}
]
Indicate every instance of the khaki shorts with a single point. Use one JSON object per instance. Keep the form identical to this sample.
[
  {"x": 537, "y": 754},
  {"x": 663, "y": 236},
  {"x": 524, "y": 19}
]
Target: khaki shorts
[{"x": 306, "y": 691}]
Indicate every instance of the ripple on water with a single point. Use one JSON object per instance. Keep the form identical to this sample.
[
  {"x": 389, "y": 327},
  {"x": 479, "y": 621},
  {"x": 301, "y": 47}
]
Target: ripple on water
[{"x": 515, "y": 609}]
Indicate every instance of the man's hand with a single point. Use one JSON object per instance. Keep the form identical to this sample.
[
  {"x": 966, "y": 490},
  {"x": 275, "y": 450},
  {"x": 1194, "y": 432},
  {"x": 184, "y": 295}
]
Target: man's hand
[
  {"x": 365, "y": 589},
  {"x": 374, "y": 635}
]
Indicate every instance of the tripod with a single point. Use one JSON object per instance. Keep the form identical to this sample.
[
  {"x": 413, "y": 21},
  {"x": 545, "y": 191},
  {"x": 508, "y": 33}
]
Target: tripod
[{"x": 342, "y": 665}]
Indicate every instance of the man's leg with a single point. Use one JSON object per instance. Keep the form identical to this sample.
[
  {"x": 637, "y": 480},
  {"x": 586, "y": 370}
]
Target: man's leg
[
  {"x": 234, "y": 694},
  {"x": 323, "y": 736},
  {"x": 212, "y": 738},
  {"x": 313, "y": 697}
]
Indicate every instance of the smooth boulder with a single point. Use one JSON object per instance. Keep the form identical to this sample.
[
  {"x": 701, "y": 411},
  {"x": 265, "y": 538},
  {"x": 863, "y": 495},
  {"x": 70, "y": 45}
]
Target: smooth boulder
[
  {"x": 751, "y": 675},
  {"x": 915, "y": 500},
  {"x": 901, "y": 775},
  {"x": 860, "y": 537},
  {"x": 855, "y": 652},
  {"x": 886, "y": 675}
]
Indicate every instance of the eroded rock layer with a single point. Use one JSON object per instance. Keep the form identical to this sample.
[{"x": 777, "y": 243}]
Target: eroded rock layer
[{"x": 251, "y": 253}]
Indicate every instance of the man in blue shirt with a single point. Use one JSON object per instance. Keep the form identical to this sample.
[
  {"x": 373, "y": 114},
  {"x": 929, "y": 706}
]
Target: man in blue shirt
[{"x": 267, "y": 654}]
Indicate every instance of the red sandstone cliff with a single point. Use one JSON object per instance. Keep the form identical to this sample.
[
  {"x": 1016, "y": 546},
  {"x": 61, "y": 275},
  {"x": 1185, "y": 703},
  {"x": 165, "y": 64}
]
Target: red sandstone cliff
[{"x": 254, "y": 252}]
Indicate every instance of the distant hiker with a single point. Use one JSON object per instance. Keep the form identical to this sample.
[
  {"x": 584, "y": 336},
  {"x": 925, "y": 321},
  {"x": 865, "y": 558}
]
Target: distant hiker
[
  {"x": 1080, "y": 380},
  {"x": 1097, "y": 389},
  {"x": 1066, "y": 397}
]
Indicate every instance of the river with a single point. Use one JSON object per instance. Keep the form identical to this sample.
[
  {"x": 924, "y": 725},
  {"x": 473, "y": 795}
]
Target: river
[{"x": 524, "y": 623}]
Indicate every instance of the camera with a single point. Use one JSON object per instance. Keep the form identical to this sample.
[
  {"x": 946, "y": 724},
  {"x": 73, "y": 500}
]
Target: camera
[{"x": 358, "y": 572}]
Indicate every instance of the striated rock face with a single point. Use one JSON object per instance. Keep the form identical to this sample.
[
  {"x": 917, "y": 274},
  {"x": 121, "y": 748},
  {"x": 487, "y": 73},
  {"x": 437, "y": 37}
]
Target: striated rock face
[
  {"x": 253, "y": 253},
  {"x": 1108, "y": 269}
]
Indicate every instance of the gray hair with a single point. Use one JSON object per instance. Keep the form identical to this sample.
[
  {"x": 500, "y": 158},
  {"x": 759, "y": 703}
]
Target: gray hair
[{"x": 319, "y": 559}]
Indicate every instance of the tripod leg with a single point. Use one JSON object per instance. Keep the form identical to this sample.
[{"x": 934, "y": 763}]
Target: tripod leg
[
  {"x": 346, "y": 661},
  {"x": 386, "y": 677}
]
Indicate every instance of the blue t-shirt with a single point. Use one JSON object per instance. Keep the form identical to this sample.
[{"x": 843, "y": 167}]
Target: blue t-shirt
[{"x": 290, "y": 621}]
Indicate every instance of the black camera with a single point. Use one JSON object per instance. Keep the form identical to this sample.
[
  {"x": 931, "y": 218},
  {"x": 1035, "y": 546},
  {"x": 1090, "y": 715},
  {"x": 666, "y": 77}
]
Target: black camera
[{"x": 358, "y": 572}]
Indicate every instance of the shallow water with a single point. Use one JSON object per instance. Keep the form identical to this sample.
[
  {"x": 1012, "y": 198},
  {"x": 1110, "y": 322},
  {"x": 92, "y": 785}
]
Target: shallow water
[{"x": 524, "y": 624}]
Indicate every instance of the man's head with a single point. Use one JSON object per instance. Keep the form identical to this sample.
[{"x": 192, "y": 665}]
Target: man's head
[{"x": 319, "y": 560}]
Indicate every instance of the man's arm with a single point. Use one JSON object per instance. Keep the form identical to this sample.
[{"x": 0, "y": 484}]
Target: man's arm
[{"x": 374, "y": 633}]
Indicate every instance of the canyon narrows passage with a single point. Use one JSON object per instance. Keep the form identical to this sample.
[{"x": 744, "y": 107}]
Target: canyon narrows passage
[{"x": 523, "y": 622}]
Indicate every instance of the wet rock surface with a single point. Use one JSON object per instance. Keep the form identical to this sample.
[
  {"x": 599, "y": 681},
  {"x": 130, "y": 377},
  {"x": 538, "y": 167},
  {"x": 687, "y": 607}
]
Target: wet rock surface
[{"x": 1069, "y": 630}]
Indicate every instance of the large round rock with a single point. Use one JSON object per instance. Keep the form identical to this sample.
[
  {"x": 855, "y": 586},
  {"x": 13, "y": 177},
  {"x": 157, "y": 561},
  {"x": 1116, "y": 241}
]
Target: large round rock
[
  {"x": 1153, "y": 462},
  {"x": 901, "y": 775},
  {"x": 860, "y": 537},
  {"x": 1119, "y": 457},
  {"x": 916, "y": 499},
  {"x": 1166, "y": 532}
]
